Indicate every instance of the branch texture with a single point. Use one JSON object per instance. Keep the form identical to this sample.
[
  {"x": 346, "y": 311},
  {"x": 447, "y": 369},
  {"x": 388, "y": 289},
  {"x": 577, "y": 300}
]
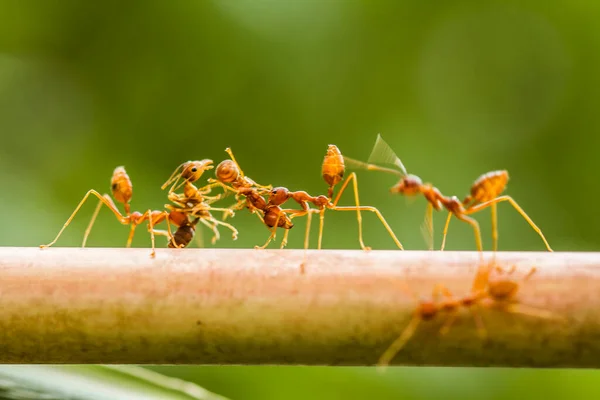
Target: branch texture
[{"x": 223, "y": 306}]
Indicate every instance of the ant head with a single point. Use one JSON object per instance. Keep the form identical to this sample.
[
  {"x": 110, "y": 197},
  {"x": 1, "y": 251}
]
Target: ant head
[
  {"x": 278, "y": 195},
  {"x": 427, "y": 309},
  {"x": 227, "y": 171},
  {"x": 193, "y": 170},
  {"x": 409, "y": 185},
  {"x": 121, "y": 186},
  {"x": 502, "y": 289},
  {"x": 501, "y": 286}
]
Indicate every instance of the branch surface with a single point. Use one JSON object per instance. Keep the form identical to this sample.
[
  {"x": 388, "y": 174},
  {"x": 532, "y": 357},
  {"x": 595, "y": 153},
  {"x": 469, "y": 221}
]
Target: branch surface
[{"x": 233, "y": 306}]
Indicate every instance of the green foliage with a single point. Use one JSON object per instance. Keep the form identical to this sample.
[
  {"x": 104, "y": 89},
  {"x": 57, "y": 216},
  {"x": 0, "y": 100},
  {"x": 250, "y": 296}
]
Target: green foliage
[
  {"x": 457, "y": 88},
  {"x": 94, "y": 382}
]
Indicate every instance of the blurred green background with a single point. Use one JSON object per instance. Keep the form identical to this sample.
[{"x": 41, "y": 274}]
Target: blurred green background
[{"x": 458, "y": 88}]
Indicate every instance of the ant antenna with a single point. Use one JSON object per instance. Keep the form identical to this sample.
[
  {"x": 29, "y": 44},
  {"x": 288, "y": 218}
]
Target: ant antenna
[
  {"x": 174, "y": 176},
  {"x": 382, "y": 153}
]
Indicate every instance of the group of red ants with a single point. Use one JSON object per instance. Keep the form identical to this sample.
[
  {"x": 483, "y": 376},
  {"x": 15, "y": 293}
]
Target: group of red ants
[{"x": 194, "y": 205}]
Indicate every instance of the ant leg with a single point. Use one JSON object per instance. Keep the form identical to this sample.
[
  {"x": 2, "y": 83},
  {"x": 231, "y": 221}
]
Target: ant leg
[
  {"x": 307, "y": 232},
  {"x": 494, "y": 210},
  {"x": 169, "y": 231},
  {"x": 234, "y": 232},
  {"x": 260, "y": 217},
  {"x": 210, "y": 199},
  {"x": 229, "y": 211},
  {"x": 286, "y": 232},
  {"x": 482, "y": 276},
  {"x": 206, "y": 189},
  {"x": 228, "y": 151},
  {"x": 481, "y": 206},
  {"x": 269, "y": 239},
  {"x": 446, "y": 231},
  {"x": 532, "y": 271},
  {"x": 515, "y": 308},
  {"x": 448, "y": 323},
  {"x": 439, "y": 289},
  {"x": 479, "y": 324},
  {"x": 427, "y": 227},
  {"x": 285, "y": 238},
  {"x": 476, "y": 230},
  {"x": 122, "y": 219},
  {"x": 380, "y": 216},
  {"x": 151, "y": 229},
  {"x": 130, "y": 237},
  {"x": 452, "y": 314},
  {"x": 160, "y": 232},
  {"x": 205, "y": 207},
  {"x": 153, "y": 221},
  {"x": 217, "y": 183},
  {"x": 321, "y": 223},
  {"x": 306, "y": 241},
  {"x": 212, "y": 227},
  {"x": 93, "y": 219},
  {"x": 511, "y": 271},
  {"x": 158, "y": 217},
  {"x": 199, "y": 238},
  {"x": 352, "y": 177},
  {"x": 294, "y": 214},
  {"x": 271, "y": 236},
  {"x": 400, "y": 342}
]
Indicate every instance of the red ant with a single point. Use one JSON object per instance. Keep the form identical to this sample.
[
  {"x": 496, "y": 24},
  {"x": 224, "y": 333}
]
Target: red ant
[
  {"x": 231, "y": 177},
  {"x": 427, "y": 310},
  {"x": 485, "y": 192},
  {"x": 122, "y": 190},
  {"x": 333, "y": 169},
  {"x": 491, "y": 283}
]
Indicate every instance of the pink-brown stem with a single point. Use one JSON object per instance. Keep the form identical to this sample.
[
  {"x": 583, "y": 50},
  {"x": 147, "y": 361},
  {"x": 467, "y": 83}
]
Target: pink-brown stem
[{"x": 226, "y": 306}]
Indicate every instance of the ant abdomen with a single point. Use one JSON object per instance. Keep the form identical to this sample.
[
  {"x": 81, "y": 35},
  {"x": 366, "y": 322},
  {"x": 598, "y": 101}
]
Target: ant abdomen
[
  {"x": 488, "y": 186},
  {"x": 121, "y": 186},
  {"x": 274, "y": 216},
  {"x": 333, "y": 166},
  {"x": 227, "y": 171},
  {"x": 184, "y": 235}
]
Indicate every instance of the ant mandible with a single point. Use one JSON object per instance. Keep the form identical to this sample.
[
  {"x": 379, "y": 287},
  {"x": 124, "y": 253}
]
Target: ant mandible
[
  {"x": 485, "y": 192},
  {"x": 122, "y": 190}
]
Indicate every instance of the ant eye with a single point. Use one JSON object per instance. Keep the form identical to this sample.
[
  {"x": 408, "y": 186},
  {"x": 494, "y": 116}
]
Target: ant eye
[
  {"x": 115, "y": 186},
  {"x": 194, "y": 169}
]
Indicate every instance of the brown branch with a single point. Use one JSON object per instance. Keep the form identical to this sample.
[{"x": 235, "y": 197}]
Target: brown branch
[{"x": 222, "y": 306}]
